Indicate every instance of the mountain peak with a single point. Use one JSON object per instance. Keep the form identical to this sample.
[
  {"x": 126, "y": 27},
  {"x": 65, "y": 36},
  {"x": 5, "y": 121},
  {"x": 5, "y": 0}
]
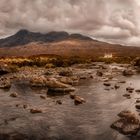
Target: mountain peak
[
  {"x": 22, "y": 32},
  {"x": 23, "y": 37}
]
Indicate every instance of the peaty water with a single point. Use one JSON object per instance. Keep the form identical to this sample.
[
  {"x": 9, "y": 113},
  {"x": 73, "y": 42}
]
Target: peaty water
[{"x": 88, "y": 121}]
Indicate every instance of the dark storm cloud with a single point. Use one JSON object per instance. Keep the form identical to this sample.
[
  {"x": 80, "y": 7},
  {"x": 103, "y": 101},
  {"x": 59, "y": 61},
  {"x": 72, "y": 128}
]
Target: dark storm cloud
[{"x": 109, "y": 20}]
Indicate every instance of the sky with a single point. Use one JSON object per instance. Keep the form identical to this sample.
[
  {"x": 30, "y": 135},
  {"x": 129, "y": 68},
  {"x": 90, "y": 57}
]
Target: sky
[{"x": 116, "y": 21}]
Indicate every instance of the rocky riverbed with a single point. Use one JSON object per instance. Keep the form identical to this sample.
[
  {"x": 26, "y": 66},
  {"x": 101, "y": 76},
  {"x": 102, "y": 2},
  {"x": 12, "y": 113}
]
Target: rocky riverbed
[{"x": 74, "y": 103}]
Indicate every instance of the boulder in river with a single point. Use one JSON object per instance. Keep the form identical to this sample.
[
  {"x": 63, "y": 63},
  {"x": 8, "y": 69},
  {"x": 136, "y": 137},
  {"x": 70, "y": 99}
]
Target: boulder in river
[
  {"x": 43, "y": 97},
  {"x": 56, "y": 86},
  {"x": 127, "y": 96},
  {"x": 38, "y": 81},
  {"x": 66, "y": 72},
  {"x": 79, "y": 100},
  {"x": 138, "y": 101},
  {"x": 69, "y": 80},
  {"x": 72, "y": 95},
  {"x": 107, "y": 84},
  {"x": 137, "y": 106},
  {"x": 5, "y": 83},
  {"x": 137, "y": 90},
  {"x": 99, "y": 73},
  {"x": 59, "y": 102},
  {"x": 14, "y": 95},
  {"x": 127, "y": 72},
  {"x": 116, "y": 86},
  {"x": 128, "y": 124},
  {"x": 33, "y": 111},
  {"x": 130, "y": 89}
]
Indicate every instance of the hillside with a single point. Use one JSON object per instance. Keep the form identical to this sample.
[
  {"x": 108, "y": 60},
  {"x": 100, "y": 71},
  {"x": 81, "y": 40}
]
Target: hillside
[{"x": 25, "y": 43}]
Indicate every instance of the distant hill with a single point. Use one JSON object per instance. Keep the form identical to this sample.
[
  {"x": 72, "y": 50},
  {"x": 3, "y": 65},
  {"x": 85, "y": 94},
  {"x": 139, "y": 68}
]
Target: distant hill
[
  {"x": 24, "y": 37},
  {"x": 25, "y": 43}
]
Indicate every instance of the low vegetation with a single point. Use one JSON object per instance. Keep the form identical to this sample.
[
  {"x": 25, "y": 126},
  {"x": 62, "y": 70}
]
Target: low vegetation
[{"x": 53, "y": 61}]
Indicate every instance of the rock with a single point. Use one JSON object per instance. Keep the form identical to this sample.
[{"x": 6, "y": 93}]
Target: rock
[
  {"x": 67, "y": 72},
  {"x": 137, "y": 90},
  {"x": 5, "y": 83},
  {"x": 127, "y": 72},
  {"x": 25, "y": 106},
  {"x": 138, "y": 101},
  {"x": 38, "y": 82},
  {"x": 91, "y": 76},
  {"x": 69, "y": 80},
  {"x": 122, "y": 82},
  {"x": 59, "y": 102},
  {"x": 3, "y": 71},
  {"x": 83, "y": 77},
  {"x": 137, "y": 106},
  {"x": 124, "y": 113},
  {"x": 107, "y": 84},
  {"x": 128, "y": 123},
  {"x": 72, "y": 95},
  {"x": 116, "y": 86},
  {"x": 14, "y": 95},
  {"x": 17, "y": 105},
  {"x": 78, "y": 100},
  {"x": 33, "y": 111},
  {"x": 130, "y": 89},
  {"x": 99, "y": 73},
  {"x": 127, "y": 96},
  {"x": 42, "y": 97},
  {"x": 56, "y": 86}
]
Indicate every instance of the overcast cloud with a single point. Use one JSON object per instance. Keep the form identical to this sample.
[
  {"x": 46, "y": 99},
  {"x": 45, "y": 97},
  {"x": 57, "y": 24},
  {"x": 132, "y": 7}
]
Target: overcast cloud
[{"x": 117, "y": 21}]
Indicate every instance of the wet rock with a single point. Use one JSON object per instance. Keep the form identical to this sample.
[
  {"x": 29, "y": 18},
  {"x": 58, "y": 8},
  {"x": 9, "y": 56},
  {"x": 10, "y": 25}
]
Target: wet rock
[
  {"x": 3, "y": 71},
  {"x": 130, "y": 89},
  {"x": 72, "y": 95},
  {"x": 128, "y": 123},
  {"x": 137, "y": 90},
  {"x": 127, "y": 72},
  {"x": 17, "y": 105},
  {"x": 38, "y": 82},
  {"x": 79, "y": 100},
  {"x": 67, "y": 72},
  {"x": 107, "y": 84},
  {"x": 91, "y": 76},
  {"x": 69, "y": 80},
  {"x": 56, "y": 86},
  {"x": 116, "y": 86},
  {"x": 127, "y": 96},
  {"x": 99, "y": 73},
  {"x": 33, "y": 111},
  {"x": 25, "y": 106},
  {"x": 42, "y": 97},
  {"x": 137, "y": 106},
  {"x": 83, "y": 77},
  {"x": 124, "y": 113},
  {"x": 5, "y": 83},
  {"x": 14, "y": 95},
  {"x": 122, "y": 82},
  {"x": 59, "y": 102},
  {"x": 138, "y": 101}
]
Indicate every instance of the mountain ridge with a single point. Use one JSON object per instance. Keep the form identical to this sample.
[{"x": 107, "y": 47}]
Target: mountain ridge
[{"x": 23, "y": 37}]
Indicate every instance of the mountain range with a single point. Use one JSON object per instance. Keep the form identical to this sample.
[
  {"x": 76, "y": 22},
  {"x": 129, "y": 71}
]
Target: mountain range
[
  {"x": 24, "y": 37},
  {"x": 26, "y": 43}
]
